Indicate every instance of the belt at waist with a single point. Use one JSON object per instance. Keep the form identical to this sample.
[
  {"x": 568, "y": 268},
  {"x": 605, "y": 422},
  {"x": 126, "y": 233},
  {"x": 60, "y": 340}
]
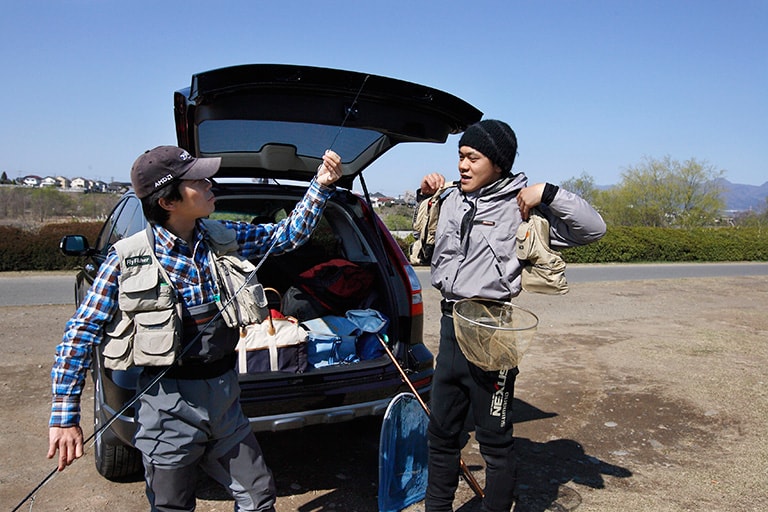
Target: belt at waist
[{"x": 191, "y": 370}]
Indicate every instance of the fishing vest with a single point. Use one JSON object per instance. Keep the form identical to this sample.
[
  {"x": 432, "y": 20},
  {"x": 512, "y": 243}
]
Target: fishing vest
[
  {"x": 425, "y": 221},
  {"x": 152, "y": 326},
  {"x": 543, "y": 267}
]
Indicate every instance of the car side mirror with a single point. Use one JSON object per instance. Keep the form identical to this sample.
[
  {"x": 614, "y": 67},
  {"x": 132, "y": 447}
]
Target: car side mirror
[{"x": 74, "y": 245}]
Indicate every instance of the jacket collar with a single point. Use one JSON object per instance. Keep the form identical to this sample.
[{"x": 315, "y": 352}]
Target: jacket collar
[{"x": 501, "y": 186}]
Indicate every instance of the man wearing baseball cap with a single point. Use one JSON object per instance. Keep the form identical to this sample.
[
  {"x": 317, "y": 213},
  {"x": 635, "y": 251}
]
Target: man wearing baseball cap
[
  {"x": 190, "y": 415},
  {"x": 475, "y": 256},
  {"x": 160, "y": 166}
]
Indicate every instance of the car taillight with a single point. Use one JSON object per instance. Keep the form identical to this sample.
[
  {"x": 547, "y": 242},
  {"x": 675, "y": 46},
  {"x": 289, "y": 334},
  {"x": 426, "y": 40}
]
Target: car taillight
[
  {"x": 417, "y": 300},
  {"x": 182, "y": 120},
  {"x": 422, "y": 383}
]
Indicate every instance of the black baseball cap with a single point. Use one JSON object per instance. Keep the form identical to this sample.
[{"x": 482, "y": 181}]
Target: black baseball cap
[{"x": 158, "y": 167}]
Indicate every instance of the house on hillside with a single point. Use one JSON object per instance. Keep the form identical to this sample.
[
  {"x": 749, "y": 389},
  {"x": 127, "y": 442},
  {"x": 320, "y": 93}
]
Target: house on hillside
[
  {"x": 79, "y": 183},
  {"x": 62, "y": 181},
  {"x": 378, "y": 199},
  {"x": 98, "y": 186},
  {"x": 31, "y": 181},
  {"x": 117, "y": 187},
  {"x": 382, "y": 201},
  {"x": 49, "y": 181}
]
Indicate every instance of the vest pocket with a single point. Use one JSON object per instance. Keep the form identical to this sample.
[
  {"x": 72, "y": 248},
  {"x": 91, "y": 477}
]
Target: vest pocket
[
  {"x": 117, "y": 347},
  {"x": 155, "y": 339}
]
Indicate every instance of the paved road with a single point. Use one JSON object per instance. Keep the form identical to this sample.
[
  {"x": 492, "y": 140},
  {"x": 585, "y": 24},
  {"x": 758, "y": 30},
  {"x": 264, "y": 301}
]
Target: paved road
[
  {"x": 633, "y": 272},
  {"x": 36, "y": 288},
  {"x": 41, "y": 288}
]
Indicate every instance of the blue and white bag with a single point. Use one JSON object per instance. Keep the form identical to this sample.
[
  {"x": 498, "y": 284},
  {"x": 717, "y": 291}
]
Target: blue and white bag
[
  {"x": 371, "y": 323},
  {"x": 331, "y": 340}
]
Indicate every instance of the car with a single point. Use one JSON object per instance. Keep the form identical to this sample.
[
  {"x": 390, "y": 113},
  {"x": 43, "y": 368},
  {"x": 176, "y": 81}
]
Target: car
[{"x": 270, "y": 124}]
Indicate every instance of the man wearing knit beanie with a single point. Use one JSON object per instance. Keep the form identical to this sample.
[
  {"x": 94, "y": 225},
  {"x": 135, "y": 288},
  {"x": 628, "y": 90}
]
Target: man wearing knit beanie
[
  {"x": 495, "y": 139},
  {"x": 475, "y": 256}
]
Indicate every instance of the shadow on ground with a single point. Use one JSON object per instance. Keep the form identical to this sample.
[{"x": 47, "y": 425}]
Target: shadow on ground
[{"x": 339, "y": 465}]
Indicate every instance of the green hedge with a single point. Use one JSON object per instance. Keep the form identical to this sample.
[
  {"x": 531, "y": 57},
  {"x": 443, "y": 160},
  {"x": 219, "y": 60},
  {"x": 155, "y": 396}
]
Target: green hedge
[
  {"x": 623, "y": 244},
  {"x": 38, "y": 249}
]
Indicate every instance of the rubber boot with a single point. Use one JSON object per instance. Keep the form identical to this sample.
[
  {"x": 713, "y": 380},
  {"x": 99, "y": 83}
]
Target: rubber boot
[
  {"x": 442, "y": 476},
  {"x": 500, "y": 478}
]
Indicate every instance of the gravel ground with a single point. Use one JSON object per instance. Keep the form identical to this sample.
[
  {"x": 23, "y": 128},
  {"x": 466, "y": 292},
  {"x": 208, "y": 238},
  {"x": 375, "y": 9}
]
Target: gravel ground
[{"x": 637, "y": 395}]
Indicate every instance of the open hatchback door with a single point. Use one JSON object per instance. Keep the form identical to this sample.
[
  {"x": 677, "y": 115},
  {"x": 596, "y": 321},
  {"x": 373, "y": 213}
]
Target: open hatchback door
[{"x": 275, "y": 121}]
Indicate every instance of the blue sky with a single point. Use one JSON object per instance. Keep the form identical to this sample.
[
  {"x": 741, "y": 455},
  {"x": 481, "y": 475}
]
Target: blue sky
[{"x": 589, "y": 86}]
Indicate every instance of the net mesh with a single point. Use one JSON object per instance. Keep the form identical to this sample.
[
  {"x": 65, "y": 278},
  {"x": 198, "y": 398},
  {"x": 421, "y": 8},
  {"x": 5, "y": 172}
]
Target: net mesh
[{"x": 493, "y": 335}]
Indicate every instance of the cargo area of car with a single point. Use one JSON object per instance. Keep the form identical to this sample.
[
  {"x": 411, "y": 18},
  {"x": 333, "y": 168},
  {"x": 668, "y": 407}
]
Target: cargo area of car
[{"x": 339, "y": 241}]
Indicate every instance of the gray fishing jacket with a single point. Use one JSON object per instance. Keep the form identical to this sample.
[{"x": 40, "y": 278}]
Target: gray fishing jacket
[{"x": 475, "y": 252}]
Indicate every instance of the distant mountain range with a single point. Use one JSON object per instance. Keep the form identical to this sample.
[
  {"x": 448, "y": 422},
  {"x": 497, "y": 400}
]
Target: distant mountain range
[{"x": 744, "y": 197}]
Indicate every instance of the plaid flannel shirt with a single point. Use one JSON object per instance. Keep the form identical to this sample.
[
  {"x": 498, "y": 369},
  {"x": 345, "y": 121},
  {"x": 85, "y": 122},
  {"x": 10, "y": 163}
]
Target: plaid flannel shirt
[{"x": 190, "y": 271}]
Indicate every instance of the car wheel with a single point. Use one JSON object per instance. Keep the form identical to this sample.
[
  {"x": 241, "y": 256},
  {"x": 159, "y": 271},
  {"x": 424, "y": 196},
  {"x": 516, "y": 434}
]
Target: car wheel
[{"x": 114, "y": 461}]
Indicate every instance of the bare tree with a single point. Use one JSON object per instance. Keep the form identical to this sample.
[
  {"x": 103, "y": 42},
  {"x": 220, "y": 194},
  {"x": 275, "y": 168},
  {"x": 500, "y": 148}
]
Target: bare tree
[
  {"x": 47, "y": 202},
  {"x": 665, "y": 193},
  {"x": 584, "y": 186}
]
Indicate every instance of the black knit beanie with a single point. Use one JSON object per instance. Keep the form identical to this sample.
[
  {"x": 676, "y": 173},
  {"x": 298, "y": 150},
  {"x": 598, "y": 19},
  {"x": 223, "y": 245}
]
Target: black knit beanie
[{"x": 493, "y": 138}]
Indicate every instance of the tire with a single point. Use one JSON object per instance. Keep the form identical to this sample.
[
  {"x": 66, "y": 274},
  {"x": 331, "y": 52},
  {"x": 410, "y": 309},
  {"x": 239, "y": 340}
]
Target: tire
[{"x": 114, "y": 461}]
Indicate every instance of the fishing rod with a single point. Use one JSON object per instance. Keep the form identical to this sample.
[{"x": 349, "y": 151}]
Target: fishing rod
[{"x": 97, "y": 433}]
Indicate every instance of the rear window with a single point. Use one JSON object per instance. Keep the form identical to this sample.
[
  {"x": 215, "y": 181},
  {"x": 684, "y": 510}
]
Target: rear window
[{"x": 244, "y": 136}]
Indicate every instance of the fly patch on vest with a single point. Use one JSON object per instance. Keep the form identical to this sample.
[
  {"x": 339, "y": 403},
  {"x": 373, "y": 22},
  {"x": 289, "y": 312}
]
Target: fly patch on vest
[{"x": 137, "y": 261}]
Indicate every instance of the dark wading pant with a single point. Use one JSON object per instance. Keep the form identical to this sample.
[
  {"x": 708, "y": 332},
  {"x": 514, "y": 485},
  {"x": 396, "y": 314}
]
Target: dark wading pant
[
  {"x": 189, "y": 424},
  {"x": 458, "y": 386}
]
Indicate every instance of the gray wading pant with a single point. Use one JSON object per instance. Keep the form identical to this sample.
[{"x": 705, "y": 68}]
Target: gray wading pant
[
  {"x": 460, "y": 388},
  {"x": 189, "y": 424}
]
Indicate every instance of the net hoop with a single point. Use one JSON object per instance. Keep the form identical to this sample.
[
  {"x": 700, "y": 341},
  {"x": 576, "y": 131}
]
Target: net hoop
[{"x": 493, "y": 335}]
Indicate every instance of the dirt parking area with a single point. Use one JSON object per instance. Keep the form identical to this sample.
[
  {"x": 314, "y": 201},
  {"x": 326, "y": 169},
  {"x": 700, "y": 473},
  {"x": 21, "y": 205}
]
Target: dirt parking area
[{"x": 637, "y": 395}]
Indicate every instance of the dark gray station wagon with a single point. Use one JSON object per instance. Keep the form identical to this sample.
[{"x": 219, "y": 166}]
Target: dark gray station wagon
[{"x": 270, "y": 124}]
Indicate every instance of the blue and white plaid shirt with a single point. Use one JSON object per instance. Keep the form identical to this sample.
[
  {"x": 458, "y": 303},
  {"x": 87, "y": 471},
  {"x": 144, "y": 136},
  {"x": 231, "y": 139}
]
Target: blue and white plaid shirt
[{"x": 190, "y": 270}]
